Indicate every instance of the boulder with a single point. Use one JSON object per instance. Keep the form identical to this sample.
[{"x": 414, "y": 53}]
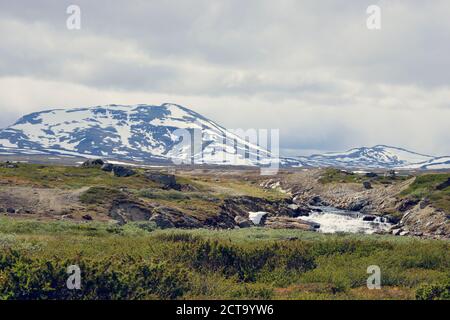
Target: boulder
[
  {"x": 315, "y": 201},
  {"x": 424, "y": 203},
  {"x": 357, "y": 205},
  {"x": 92, "y": 163},
  {"x": 166, "y": 180},
  {"x": 369, "y": 218},
  {"x": 121, "y": 171},
  {"x": 242, "y": 222},
  {"x": 108, "y": 167},
  {"x": 367, "y": 185}
]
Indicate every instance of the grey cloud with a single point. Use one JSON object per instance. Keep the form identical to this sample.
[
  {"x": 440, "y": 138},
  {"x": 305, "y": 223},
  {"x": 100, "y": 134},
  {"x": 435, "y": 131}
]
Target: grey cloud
[{"x": 307, "y": 67}]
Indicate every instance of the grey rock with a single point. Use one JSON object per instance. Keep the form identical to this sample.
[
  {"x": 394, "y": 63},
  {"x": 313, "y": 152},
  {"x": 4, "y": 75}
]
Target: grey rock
[
  {"x": 243, "y": 222},
  {"x": 166, "y": 180},
  {"x": 407, "y": 204},
  {"x": 108, "y": 167},
  {"x": 357, "y": 205},
  {"x": 367, "y": 185},
  {"x": 369, "y": 218},
  {"x": 162, "y": 221},
  {"x": 92, "y": 163},
  {"x": 120, "y": 171},
  {"x": 425, "y": 202}
]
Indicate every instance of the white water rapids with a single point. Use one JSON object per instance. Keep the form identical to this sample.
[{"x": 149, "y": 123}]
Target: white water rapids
[{"x": 333, "y": 220}]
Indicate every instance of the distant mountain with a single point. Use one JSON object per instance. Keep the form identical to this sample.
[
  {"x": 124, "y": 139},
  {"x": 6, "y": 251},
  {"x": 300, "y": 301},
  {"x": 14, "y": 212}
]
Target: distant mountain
[
  {"x": 148, "y": 133},
  {"x": 135, "y": 133},
  {"x": 379, "y": 156}
]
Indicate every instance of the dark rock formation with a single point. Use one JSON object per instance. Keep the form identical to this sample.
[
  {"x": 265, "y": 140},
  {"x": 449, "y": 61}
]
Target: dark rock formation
[
  {"x": 241, "y": 206},
  {"x": 125, "y": 211},
  {"x": 108, "y": 167},
  {"x": 167, "y": 181},
  {"x": 317, "y": 201},
  {"x": 369, "y": 218},
  {"x": 407, "y": 204},
  {"x": 120, "y": 171},
  {"x": 243, "y": 222},
  {"x": 443, "y": 185},
  {"x": 162, "y": 221},
  {"x": 357, "y": 205},
  {"x": 92, "y": 163},
  {"x": 367, "y": 185}
]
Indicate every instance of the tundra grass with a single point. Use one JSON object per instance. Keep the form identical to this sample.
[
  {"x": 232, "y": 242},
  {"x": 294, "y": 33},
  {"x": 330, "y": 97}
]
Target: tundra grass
[
  {"x": 425, "y": 187},
  {"x": 136, "y": 261}
]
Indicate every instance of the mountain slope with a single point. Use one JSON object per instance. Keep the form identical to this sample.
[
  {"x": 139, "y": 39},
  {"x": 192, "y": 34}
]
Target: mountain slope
[
  {"x": 138, "y": 133},
  {"x": 379, "y": 156},
  {"x": 147, "y": 133}
]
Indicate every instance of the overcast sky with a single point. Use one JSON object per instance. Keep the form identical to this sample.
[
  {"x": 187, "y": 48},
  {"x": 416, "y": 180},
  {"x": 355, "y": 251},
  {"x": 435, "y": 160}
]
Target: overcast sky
[{"x": 310, "y": 68}]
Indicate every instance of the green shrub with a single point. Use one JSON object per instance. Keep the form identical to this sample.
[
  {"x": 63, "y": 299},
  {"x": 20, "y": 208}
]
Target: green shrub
[{"x": 437, "y": 291}]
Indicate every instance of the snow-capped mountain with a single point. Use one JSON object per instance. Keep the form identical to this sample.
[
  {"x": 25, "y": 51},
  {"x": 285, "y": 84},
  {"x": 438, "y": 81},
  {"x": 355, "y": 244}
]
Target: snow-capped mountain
[
  {"x": 379, "y": 156},
  {"x": 174, "y": 134},
  {"x": 135, "y": 133}
]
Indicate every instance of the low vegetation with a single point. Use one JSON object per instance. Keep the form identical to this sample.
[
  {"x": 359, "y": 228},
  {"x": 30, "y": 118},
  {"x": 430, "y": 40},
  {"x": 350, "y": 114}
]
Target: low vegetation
[
  {"x": 332, "y": 175},
  {"x": 137, "y": 261},
  {"x": 432, "y": 188}
]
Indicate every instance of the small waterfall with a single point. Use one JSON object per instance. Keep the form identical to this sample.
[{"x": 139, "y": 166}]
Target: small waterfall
[{"x": 333, "y": 220}]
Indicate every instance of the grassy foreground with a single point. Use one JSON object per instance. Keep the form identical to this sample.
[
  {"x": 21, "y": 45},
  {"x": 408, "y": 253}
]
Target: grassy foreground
[{"x": 136, "y": 261}]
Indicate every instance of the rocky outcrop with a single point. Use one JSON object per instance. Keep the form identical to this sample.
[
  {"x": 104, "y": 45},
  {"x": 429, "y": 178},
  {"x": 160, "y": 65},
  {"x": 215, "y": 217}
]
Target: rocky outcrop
[
  {"x": 108, "y": 167},
  {"x": 428, "y": 221},
  {"x": 124, "y": 211},
  {"x": 241, "y": 206},
  {"x": 171, "y": 217},
  {"x": 167, "y": 181},
  {"x": 242, "y": 222},
  {"x": 93, "y": 163},
  {"x": 121, "y": 171}
]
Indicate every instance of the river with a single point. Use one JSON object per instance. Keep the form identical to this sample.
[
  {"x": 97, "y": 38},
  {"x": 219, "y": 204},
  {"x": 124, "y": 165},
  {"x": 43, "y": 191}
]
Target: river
[{"x": 333, "y": 220}]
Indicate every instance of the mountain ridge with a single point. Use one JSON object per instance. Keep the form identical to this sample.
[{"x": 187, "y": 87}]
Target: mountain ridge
[{"x": 144, "y": 133}]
